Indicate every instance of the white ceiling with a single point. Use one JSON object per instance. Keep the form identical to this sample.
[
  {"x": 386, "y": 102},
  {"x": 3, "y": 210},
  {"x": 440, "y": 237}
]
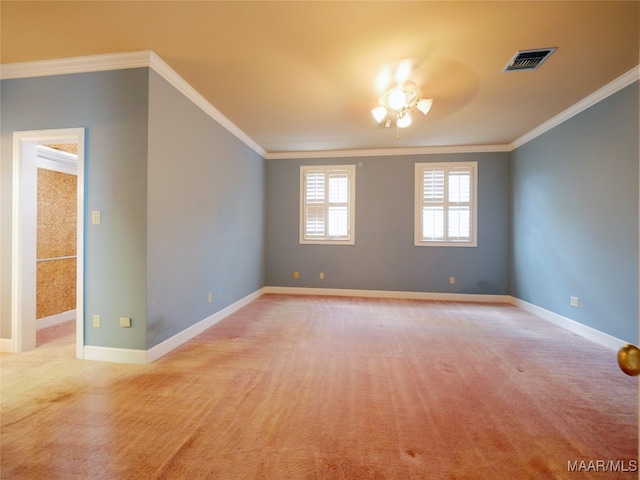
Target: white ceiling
[{"x": 301, "y": 76}]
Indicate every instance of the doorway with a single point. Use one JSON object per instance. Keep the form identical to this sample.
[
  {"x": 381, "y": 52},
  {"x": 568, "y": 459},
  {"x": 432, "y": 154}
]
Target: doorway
[
  {"x": 24, "y": 234},
  {"x": 56, "y": 236}
]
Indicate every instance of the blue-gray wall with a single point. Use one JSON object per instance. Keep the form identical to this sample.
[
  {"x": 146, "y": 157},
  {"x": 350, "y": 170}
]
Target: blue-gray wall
[
  {"x": 384, "y": 257},
  {"x": 113, "y": 107},
  {"x": 188, "y": 209},
  {"x": 181, "y": 201},
  {"x": 575, "y": 217},
  {"x": 205, "y": 215}
]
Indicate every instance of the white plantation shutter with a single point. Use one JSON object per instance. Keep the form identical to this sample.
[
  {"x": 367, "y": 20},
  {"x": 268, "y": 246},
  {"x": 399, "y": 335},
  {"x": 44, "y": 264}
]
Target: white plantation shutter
[
  {"x": 433, "y": 182},
  {"x": 315, "y": 191},
  {"x": 432, "y": 223},
  {"x": 459, "y": 193},
  {"x": 327, "y": 204},
  {"x": 445, "y": 204},
  {"x": 316, "y": 219},
  {"x": 338, "y": 220},
  {"x": 433, "y": 185}
]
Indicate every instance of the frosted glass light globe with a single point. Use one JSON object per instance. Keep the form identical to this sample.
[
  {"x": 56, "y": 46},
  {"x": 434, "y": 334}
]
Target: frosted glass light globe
[{"x": 396, "y": 99}]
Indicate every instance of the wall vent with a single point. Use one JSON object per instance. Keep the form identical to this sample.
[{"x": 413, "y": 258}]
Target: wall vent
[{"x": 528, "y": 59}]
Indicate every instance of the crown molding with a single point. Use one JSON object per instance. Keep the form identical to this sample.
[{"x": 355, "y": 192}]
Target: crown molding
[
  {"x": 388, "y": 152},
  {"x": 180, "y": 84},
  {"x": 121, "y": 61},
  {"x": 147, "y": 58},
  {"x": 609, "y": 89},
  {"x": 66, "y": 66},
  {"x": 615, "y": 86}
]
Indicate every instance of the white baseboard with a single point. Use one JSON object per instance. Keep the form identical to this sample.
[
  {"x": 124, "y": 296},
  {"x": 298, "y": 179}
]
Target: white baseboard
[
  {"x": 184, "y": 336},
  {"x": 584, "y": 331},
  {"x": 6, "y": 345},
  {"x": 52, "y": 320},
  {"x": 114, "y": 355},
  {"x": 344, "y": 292},
  {"x": 141, "y": 357}
]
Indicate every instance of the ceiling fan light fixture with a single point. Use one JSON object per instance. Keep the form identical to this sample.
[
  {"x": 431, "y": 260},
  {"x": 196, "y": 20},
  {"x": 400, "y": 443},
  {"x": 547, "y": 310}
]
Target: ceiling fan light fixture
[
  {"x": 379, "y": 113},
  {"x": 424, "y": 105},
  {"x": 404, "y": 121},
  {"x": 398, "y": 100}
]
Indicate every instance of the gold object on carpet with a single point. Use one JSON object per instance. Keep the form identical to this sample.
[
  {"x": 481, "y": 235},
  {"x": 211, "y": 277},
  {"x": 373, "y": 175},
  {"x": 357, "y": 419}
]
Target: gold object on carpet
[{"x": 629, "y": 359}]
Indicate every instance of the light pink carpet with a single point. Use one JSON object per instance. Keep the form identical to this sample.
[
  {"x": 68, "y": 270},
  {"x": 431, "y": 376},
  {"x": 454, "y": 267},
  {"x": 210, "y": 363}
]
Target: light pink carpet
[{"x": 330, "y": 388}]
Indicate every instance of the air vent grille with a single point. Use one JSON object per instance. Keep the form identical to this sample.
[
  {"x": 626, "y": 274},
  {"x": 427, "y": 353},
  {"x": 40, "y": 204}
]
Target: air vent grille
[{"x": 528, "y": 59}]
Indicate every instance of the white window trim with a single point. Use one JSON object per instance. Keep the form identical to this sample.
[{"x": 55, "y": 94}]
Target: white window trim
[
  {"x": 351, "y": 169},
  {"x": 418, "y": 242}
]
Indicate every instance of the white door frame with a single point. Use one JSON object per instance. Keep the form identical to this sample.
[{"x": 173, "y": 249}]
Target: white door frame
[{"x": 23, "y": 261}]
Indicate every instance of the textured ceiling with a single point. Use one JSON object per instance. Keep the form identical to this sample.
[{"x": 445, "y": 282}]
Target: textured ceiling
[{"x": 301, "y": 76}]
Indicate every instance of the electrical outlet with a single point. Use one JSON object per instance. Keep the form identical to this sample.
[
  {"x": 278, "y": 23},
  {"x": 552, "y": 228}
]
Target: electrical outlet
[
  {"x": 452, "y": 280},
  {"x": 574, "y": 302},
  {"x": 296, "y": 274},
  {"x": 210, "y": 297},
  {"x": 96, "y": 321},
  {"x": 125, "y": 322},
  {"x": 321, "y": 275}
]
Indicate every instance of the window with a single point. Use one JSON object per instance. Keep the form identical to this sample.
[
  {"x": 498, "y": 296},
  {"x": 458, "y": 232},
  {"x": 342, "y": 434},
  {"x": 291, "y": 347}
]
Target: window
[
  {"x": 445, "y": 204},
  {"x": 327, "y": 201}
]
